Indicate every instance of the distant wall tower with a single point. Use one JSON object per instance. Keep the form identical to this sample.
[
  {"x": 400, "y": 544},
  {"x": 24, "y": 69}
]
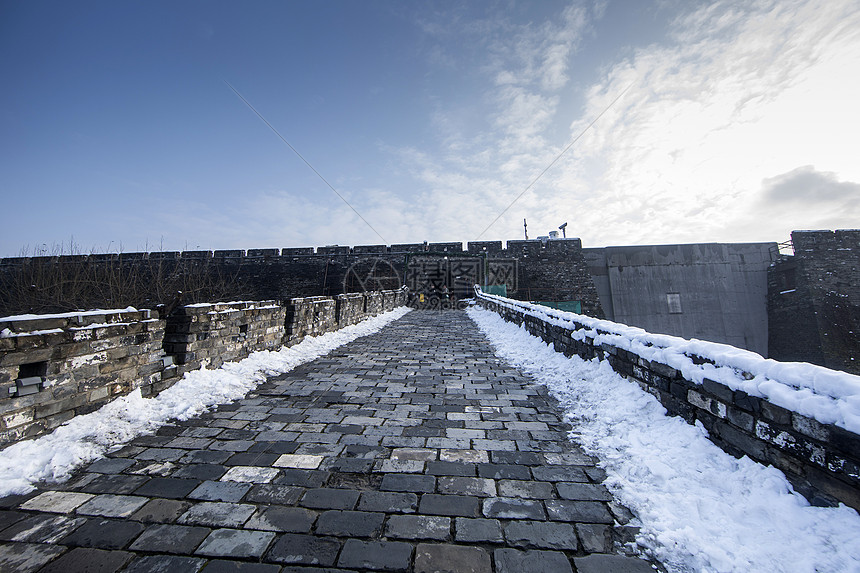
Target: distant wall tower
[{"x": 814, "y": 301}]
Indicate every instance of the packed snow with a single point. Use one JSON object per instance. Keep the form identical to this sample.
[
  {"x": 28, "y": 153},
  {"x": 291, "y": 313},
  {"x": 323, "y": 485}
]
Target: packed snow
[
  {"x": 699, "y": 508},
  {"x": 829, "y": 396},
  {"x": 82, "y": 439},
  {"x": 73, "y": 314}
]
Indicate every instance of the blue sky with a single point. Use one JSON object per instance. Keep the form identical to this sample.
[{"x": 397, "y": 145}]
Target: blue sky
[{"x": 117, "y": 131}]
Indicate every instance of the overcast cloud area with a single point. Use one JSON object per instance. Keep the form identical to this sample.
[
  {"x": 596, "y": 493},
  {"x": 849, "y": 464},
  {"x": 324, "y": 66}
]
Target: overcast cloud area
[{"x": 739, "y": 122}]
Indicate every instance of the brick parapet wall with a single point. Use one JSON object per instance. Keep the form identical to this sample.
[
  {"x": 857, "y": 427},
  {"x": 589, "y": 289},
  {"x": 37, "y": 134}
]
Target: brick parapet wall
[
  {"x": 349, "y": 308},
  {"x": 821, "y": 460},
  {"x": 54, "y": 367},
  {"x": 373, "y": 303},
  {"x": 309, "y": 316},
  {"x": 208, "y": 335}
]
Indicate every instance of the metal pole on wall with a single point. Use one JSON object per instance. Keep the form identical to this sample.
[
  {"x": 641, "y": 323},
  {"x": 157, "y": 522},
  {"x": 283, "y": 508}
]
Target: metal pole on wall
[{"x": 526, "y": 229}]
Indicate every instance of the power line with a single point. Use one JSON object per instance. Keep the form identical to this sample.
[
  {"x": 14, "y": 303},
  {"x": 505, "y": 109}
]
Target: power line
[
  {"x": 305, "y": 160},
  {"x": 563, "y": 151}
]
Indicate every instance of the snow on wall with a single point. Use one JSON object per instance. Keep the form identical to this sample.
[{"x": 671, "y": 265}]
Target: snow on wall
[
  {"x": 829, "y": 396},
  {"x": 801, "y": 418}
]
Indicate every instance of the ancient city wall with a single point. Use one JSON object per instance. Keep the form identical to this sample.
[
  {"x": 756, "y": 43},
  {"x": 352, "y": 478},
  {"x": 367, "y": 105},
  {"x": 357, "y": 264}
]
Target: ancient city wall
[
  {"x": 54, "y": 367},
  {"x": 535, "y": 270},
  {"x": 821, "y": 459},
  {"x": 814, "y": 300}
]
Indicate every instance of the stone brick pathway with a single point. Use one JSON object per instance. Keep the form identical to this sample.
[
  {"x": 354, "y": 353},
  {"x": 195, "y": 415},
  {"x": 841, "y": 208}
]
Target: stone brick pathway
[{"x": 414, "y": 449}]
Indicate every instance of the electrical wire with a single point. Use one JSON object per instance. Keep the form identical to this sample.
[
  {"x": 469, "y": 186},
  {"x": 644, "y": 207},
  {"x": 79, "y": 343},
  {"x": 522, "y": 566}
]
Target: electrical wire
[
  {"x": 305, "y": 160},
  {"x": 563, "y": 151}
]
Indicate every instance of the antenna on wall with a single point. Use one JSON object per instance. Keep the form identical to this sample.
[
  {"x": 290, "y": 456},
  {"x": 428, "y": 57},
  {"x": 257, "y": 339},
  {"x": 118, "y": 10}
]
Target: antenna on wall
[{"x": 526, "y": 229}]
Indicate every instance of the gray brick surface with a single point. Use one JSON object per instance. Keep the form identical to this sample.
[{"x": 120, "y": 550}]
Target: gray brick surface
[
  {"x": 452, "y": 505},
  {"x": 376, "y": 555},
  {"x": 478, "y": 530},
  {"x": 89, "y": 559},
  {"x": 513, "y": 561},
  {"x": 165, "y": 564},
  {"x": 27, "y": 556},
  {"x": 296, "y": 549},
  {"x": 414, "y": 449},
  {"x": 165, "y": 538},
  {"x": 438, "y": 558},
  {"x": 287, "y": 519},
  {"x": 541, "y": 535},
  {"x": 104, "y": 534},
  {"x": 350, "y": 523},
  {"x": 235, "y": 543},
  {"x": 611, "y": 564},
  {"x": 418, "y": 527}
]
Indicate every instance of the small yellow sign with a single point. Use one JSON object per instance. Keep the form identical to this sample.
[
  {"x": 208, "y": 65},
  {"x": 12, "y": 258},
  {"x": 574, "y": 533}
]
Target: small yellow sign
[{"x": 421, "y": 297}]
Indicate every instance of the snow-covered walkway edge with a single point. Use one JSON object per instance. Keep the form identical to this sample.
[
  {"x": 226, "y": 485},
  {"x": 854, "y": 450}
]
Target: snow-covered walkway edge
[
  {"x": 83, "y": 439},
  {"x": 699, "y": 508}
]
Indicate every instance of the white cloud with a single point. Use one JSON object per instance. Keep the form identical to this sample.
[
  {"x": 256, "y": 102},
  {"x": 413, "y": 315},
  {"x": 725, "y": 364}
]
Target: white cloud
[{"x": 747, "y": 91}]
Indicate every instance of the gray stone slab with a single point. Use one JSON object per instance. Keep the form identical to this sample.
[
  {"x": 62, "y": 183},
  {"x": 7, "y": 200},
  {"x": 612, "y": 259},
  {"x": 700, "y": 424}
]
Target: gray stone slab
[
  {"x": 513, "y": 508},
  {"x": 118, "y": 484},
  {"x": 274, "y": 494},
  {"x": 165, "y": 564},
  {"x": 418, "y": 527},
  {"x": 559, "y": 473},
  {"x": 478, "y": 530},
  {"x": 217, "y": 514},
  {"x": 295, "y": 549},
  {"x": 330, "y": 498},
  {"x": 226, "y": 566},
  {"x": 7, "y": 518},
  {"x": 478, "y": 487},
  {"x": 376, "y": 555},
  {"x": 109, "y": 505},
  {"x": 541, "y": 535},
  {"x": 514, "y": 561},
  {"x": 408, "y": 483},
  {"x": 450, "y": 505},
  {"x": 161, "y": 511},
  {"x": 220, "y": 491},
  {"x": 388, "y": 502},
  {"x": 285, "y": 519},
  {"x": 110, "y": 465},
  {"x": 42, "y": 528},
  {"x": 89, "y": 559},
  {"x": 441, "y": 558},
  {"x": 595, "y": 538},
  {"x": 583, "y": 492},
  {"x": 302, "y": 477},
  {"x": 56, "y": 501},
  {"x": 504, "y": 471},
  {"x": 578, "y": 511},
  {"x": 350, "y": 523},
  {"x": 104, "y": 534},
  {"x": 235, "y": 543},
  {"x": 27, "y": 556},
  {"x": 165, "y": 538},
  {"x": 525, "y": 489},
  {"x": 171, "y": 488},
  {"x": 200, "y": 471},
  {"x": 611, "y": 564}
]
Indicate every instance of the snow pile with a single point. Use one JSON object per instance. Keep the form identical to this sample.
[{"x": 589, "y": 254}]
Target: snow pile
[
  {"x": 73, "y": 314},
  {"x": 699, "y": 508},
  {"x": 85, "y": 438},
  {"x": 829, "y": 396}
]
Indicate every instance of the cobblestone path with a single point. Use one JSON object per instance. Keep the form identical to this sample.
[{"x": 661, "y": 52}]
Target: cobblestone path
[{"x": 414, "y": 449}]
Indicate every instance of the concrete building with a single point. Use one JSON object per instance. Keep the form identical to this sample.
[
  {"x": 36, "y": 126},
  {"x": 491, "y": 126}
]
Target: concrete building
[{"x": 709, "y": 291}]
